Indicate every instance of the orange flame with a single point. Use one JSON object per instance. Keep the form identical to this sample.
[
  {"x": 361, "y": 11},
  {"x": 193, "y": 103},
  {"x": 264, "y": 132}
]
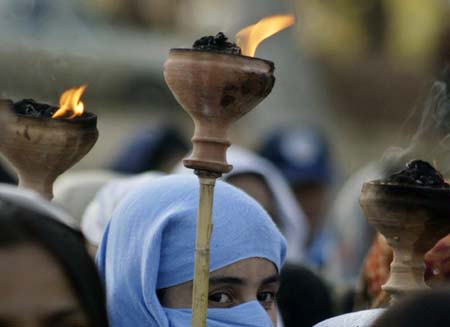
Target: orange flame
[
  {"x": 70, "y": 105},
  {"x": 251, "y": 36}
]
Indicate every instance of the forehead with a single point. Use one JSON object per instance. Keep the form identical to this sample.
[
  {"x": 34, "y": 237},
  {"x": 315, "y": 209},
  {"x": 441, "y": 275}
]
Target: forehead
[
  {"x": 252, "y": 269},
  {"x": 31, "y": 280}
]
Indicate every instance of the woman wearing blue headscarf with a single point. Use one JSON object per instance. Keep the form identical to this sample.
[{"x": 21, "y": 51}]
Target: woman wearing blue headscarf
[{"x": 146, "y": 257}]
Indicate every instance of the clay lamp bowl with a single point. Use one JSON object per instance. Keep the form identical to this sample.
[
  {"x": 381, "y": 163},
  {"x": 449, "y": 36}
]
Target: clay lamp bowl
[
  {"x": 42, "y": 148},
  {"x": 215, "y": 89},
  {"x": 412, "y": 219}
]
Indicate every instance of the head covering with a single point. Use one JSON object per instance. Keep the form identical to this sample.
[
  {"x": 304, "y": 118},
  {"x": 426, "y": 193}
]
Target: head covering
[
  {"x": 363, "y": 318},
  {"x": 100, "y": 209},
  {"x": 149, "y": 244},
  {"x": 293, "y": 224},
  {"x": 145, "y": 150},
  {"x": 302, "y": 155},
  {"x": 75, "y": 190},
  {"x": 33, "y": 201}
]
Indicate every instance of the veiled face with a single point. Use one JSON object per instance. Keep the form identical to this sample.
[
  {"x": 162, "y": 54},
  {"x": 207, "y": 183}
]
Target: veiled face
[
  {"x": 34, "y": 290},
  {"x": 253, "y": 279}
]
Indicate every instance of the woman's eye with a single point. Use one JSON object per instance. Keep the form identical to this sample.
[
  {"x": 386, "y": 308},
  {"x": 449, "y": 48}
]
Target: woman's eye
[
  {"x": 267, "y": 297},
  {"x": 221, "y": 298}
]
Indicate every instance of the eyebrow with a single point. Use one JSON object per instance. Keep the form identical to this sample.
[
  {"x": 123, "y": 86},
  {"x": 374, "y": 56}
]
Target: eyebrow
[
  {"x": 275, "y": 278},
  {"x": 226, "y": 280}
]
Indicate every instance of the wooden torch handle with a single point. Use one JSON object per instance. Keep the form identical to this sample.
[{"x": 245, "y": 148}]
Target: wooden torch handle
[{"x": 201, "y": 266}]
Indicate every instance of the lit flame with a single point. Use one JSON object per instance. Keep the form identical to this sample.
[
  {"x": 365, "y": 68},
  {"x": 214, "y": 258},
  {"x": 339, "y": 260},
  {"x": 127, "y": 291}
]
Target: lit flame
[
  {"x": 250, "y": 37},
  {"x": 70, "y": 105}
]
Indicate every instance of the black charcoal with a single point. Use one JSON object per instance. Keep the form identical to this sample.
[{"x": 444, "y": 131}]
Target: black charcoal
[
  {"x": 216, "y": 43},
  {"x": 31, "y": 108},
  {"x": 419, "y": 173}
]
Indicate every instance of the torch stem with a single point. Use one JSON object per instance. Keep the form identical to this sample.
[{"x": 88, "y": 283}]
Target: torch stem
[
  {"x": 201, "y": 266},
  {"x": 45, "y": 189}
]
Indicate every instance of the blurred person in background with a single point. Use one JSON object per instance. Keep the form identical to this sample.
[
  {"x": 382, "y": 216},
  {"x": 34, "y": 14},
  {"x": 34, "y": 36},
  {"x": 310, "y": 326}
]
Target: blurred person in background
[
  {"x": 351, "y": 239},
  {"x": 47, "y": 278},
  {"x": 304, "y": 299},
  {"x": 158, "y": 148},
  {"x": 303, "y": 157},
  {"x": 350, "y": 245},
  {"x": 99, "y": 211},
  {"x": 260, "y": 179},
  {"x": 75, "y": 190},
  {"x": 362, "y": 318}
]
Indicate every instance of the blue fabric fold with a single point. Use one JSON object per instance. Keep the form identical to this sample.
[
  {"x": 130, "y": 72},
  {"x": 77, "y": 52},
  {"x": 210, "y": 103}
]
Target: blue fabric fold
[
  {"x": 250, "y": 314},
  {"x": 149, "y": 244}
]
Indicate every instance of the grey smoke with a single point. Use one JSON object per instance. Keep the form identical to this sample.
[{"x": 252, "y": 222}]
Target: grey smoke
[{"x": 431, "y": 141}]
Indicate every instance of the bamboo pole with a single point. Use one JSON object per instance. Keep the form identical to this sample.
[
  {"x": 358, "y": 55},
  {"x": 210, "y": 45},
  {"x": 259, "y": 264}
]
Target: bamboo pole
[{"x": 203, "y": 238}]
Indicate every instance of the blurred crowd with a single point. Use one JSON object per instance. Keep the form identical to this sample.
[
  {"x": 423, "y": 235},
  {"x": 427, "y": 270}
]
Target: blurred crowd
[{"x": 290, "y": 244}]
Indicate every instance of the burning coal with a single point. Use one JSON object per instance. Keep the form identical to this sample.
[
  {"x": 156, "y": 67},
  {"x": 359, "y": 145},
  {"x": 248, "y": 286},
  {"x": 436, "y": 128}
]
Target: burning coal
[
  {"x": 217, "y": 43},
  {"x": 418, "y": 173},
  {"x": 70, "y": 106},
  {"x": 31, "y": 108}
]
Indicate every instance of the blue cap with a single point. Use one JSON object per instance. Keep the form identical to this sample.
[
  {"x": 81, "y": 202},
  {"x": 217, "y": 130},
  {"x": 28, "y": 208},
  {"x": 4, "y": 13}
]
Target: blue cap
[
  {"x": 301, "y": 154},
  {"x": 145, "y": 150}
]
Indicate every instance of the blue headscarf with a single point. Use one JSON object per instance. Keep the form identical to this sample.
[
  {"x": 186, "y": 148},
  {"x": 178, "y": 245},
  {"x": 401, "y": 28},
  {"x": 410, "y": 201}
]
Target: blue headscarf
[{"x": 149, "y": 245}]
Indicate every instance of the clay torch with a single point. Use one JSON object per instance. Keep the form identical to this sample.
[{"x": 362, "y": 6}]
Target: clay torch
[
  {"x": 217, "y": 82},
  {"x": 42, "y": 141},
  {"x": 412, "y": 211}
]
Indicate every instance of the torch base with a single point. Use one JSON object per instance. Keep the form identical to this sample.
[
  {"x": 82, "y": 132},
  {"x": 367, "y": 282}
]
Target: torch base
[{"x": 212, "y": 167}]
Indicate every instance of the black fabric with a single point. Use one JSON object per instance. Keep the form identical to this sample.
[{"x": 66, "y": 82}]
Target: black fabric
[
  {"x": 428, "y": 309},
  {"x": 303, "y": 299}
]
